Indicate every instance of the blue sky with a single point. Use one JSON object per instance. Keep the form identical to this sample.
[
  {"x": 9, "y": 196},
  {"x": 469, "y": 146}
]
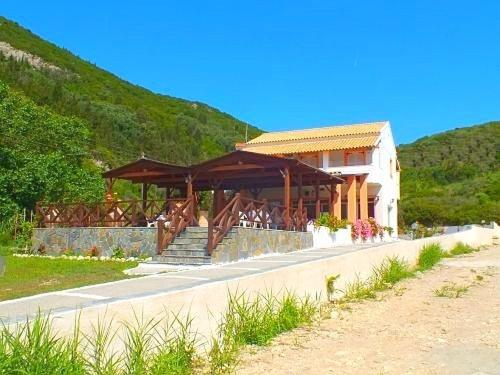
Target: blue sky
[{"x": 425, "y": 65}]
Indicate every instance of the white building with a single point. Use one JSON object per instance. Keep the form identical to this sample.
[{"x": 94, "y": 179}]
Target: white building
[{"x": 363, "y": 154}]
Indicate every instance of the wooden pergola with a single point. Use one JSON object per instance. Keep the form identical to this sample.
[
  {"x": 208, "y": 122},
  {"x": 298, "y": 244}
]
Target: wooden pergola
[
  {"x": 244, "y": 173},
  {"x": 237, "y": 171}
]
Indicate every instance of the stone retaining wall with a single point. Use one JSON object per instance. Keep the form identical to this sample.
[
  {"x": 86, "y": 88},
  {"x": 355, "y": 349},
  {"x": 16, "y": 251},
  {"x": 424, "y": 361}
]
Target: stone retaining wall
[
  {"x": 250, "y": 242},
  {"x": 134, "y": 241}
]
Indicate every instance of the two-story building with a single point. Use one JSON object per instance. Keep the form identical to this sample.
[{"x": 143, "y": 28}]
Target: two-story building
[{"x": 363, "y": 154}]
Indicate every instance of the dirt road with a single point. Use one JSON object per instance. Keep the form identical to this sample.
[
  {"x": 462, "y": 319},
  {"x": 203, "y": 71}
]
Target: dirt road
[{"x": 408, "y": 330}]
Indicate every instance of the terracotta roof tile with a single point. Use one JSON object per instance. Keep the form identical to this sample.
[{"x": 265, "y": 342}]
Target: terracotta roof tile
[
  {"x": 313, "y": 145},
  {"x": 372, "y": 128}
]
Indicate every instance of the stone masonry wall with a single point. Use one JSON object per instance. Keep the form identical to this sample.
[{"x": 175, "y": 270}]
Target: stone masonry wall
[
  {"x": 134, "y": 241},
  {"x": 249, "y": 242}
]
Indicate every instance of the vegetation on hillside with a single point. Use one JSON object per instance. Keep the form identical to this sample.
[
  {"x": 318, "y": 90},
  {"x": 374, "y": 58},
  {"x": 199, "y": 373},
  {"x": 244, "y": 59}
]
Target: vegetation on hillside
[
  {"x": 452, "y": 177},
  {"x": 124, "y": 119},
  {"x": 43, "y": 156}
]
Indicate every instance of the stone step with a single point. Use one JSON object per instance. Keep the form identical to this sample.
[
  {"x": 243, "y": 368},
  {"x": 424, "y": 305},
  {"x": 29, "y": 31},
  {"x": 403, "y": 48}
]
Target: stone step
[
  {"x": 187, "y": 246},
  {"x": 196, "y": 230},
  {"x": 183, "y": 240},
  {"x": 187, "y": 252},
  {"x": 187, "y": 260},
  {"x": 199, "y": 235}
]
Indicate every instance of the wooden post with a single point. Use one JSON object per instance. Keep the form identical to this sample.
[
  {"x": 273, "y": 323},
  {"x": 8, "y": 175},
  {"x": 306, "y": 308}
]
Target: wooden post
[
  {"x": 159, "y": 238},
  {"x": 210, "y": 242},
  {"x": 189, "y": 187},
  {"x": 363, "y": 197},
  {"x": 286, "y": 197},
  {"x": 300, "y": 204},
  {"x": 351, "y": 199},
  {"x": 219, "y": 201},
  {"x": 337, "y": 202},
  {"x": 318, "y": 200},
  {"x": 144, "y": 196}
]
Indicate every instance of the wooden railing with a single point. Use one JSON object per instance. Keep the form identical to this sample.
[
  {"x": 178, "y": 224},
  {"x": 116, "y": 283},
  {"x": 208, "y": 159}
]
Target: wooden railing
[
  {"x": 104, "y": 214},
  {"x": 247, "y": 212},
  {"x": 176, "y": 221}
]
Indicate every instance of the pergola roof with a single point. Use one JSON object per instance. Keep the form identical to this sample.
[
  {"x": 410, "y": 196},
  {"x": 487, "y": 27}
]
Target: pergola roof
[
  {"x": 144, "y": 168},
  {"x": 235, "y": 170}
]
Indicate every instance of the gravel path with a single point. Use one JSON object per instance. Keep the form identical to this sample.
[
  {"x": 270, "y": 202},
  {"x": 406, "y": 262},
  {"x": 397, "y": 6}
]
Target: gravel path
[{"x": 408, "y": 330}]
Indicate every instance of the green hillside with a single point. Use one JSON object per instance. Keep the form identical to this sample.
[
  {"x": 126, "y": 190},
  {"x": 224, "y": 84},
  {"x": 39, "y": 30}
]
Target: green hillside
[
  {"x": 452, "y": 177},
  {"x": 124, "y": 119}
]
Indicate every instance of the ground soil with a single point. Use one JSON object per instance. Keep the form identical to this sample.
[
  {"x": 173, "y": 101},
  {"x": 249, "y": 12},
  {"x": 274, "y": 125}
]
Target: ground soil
[{"x": 407, "y": 330}]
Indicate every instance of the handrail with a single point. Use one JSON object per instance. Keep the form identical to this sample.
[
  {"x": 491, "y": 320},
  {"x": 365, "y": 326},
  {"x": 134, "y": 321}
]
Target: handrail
[
  {"x": 106, "y": 213},
  {"x": 254, "y": 213},
  {"x": 177, "y": 220}
]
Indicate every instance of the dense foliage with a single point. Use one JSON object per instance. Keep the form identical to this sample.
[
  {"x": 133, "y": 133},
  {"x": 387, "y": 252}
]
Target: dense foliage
[
  {"x": 124, "y": 119},
  {"x": 452, "y": 177},
  {"x": 42, "y": 156}
]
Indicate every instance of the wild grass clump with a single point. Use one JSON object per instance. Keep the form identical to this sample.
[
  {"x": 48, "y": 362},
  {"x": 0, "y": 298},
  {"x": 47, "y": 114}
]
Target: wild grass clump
[
  {"x": 152, "y": 347},
  {"x": 451, "y": 290},
  {"x": 389, "y": 272},
  {"x": 358, "y": 290},
  {"x": 429, "y": 256},
  {"x": 255, "y": 322},
  {"x": 460, "y": 248},
  {"x": 34, "y": 348}
]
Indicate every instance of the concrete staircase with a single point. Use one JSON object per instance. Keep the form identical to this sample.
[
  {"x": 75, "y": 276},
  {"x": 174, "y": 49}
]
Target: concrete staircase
[{"x": 189, "y": 248}]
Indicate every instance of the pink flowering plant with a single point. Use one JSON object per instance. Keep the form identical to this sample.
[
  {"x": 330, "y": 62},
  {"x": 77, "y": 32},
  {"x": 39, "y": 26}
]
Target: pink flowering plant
[{"x": 366, "y": 229}]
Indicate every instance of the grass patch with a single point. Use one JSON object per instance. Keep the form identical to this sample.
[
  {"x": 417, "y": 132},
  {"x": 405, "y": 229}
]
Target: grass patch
[
  {"x": 390, "y": 271},
  {"x": 358, "y": 290},
  {"x": 451, "y": 290},
  {"x": 34, "y": 348},
  {"x": 28, "y": 276},
  {"x": 429, "y": 256},
  {"x": 255, "y": 322},
  {"x": 150, "y": 349},
  {"x": 460, "y": 248}
]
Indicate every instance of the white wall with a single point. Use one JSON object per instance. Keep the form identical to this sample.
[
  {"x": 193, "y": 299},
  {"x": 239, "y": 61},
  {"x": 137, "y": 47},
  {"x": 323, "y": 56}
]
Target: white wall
[
  {"x": 384, "y": 168},
  {"x": 208, "y": 302}
]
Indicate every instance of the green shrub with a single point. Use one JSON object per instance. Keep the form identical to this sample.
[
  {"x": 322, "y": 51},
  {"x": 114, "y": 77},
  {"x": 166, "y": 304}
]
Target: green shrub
[
  {"x": 429, "y": 256},
  {"x": 118, "y": 252},
  {"x": 331, "y": 222},
  {"x": 461, "y": 248}
]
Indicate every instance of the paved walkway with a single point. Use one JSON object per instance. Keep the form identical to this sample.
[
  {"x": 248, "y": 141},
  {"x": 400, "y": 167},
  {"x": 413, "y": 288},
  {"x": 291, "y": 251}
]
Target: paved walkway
[{"x": 68, "y": 300}]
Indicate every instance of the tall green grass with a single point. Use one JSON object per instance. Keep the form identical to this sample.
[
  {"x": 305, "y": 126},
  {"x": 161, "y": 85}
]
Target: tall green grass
[
  {"x": 255, "y": 322},
  {"x": 390, "y": 271},
  {"x": 460, "y": 248},
  {"x": 152, "y": 347},
  {"x": 34, "y": 348},
  {"x": 429, "y": 256}
]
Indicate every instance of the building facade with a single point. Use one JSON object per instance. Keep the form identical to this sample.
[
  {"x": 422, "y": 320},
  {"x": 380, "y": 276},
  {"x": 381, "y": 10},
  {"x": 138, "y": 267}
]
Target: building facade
[{"x": 363, "y": 154}]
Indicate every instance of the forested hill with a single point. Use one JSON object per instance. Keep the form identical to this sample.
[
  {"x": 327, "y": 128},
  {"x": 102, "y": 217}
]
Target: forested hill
[
  {"x": 124, "y": 119},
  {"x": 452, "y": 177}
]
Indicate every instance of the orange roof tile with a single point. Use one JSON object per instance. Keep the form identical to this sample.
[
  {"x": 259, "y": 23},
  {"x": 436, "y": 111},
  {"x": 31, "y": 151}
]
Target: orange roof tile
[
  {"x": 372, "y": 128},
  {"x": 342, "y": 143}
]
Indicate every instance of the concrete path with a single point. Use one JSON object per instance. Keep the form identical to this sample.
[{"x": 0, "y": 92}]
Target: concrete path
[{"x": 64, "y": 301}]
